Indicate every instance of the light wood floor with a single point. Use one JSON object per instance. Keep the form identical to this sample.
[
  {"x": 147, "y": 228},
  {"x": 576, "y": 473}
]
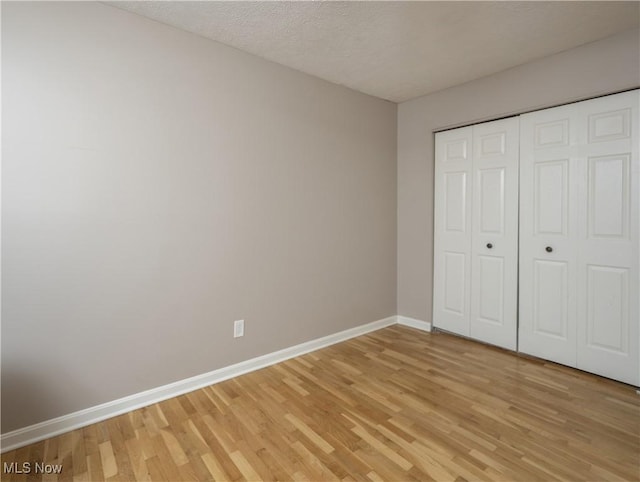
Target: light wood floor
[{"x": 397, "y": 404}]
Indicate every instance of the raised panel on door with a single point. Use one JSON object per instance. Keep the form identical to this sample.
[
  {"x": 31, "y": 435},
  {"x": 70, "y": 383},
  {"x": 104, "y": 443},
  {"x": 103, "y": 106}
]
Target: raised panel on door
[
  {"x": 550, "y": 197},
  {"x": 608, "y": 335},
  {"x": 455, "y": 203},
  {"x": 453, "y": 279},
  {"x": 548, "y": 231},
  {"x": 608, "y": 197},
  {"x": 494, "y": 247},
  {"x": 491, "y": 289},
  {"x": 608, "y": 309},
  {"x": 452, "y": 233},
  {"x": 491, "y": 198},
  {"x": 550, "y": 311}
]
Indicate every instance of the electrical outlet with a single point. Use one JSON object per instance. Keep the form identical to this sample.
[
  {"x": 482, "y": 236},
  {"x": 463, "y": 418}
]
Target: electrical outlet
[{"x": 238, "y": 328}]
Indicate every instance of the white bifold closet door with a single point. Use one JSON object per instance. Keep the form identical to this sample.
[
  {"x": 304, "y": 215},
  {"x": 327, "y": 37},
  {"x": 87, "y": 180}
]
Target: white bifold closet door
[
  {"x": 579, "y": 235},
  {"x": 476, "y": 232}
]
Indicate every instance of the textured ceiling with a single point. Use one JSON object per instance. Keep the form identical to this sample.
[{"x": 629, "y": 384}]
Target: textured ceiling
[{"x": 396, "y": 50}]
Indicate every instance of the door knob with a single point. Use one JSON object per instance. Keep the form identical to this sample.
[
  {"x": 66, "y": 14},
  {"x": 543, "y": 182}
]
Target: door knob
[
  {"x": 489, "y": 245},
  {"x": 548, "y": 249}
]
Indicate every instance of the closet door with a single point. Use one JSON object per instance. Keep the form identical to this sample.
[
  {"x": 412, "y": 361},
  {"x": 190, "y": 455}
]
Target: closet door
[
  {"x": 476, "y": 232},
  {"x": 548, "y": 234},
  {"x": 494, "y": 233},
  {"x": 579, "y": 236},
  {"x": 452, "y": 223},
  {"x": 608, "y": 291}
]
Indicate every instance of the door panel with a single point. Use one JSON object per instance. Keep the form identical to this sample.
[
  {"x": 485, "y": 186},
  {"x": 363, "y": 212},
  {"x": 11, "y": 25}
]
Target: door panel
[
  {"x": 608, "y": 244},
  {"x": 452, "y": 238},
  {"x": 579, "y": 236},
  {"x": 494, "y": 246},
  {"x": 548, "y": 230}
]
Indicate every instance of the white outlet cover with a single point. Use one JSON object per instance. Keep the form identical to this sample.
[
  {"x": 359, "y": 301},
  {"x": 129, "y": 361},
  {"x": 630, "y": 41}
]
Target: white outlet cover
[{"x": 238, "y": 328}]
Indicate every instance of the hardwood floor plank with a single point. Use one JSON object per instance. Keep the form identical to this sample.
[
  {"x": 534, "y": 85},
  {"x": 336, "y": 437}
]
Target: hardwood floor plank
[
  {"x": 313, "y": 464},
  {"x": 243, "y": 465},
  {"x": 136, "y": 456},
  {"x": 94, "y": 466},
  {"x": 214, "y": 468},
  {"x": 109, "y": 466}
]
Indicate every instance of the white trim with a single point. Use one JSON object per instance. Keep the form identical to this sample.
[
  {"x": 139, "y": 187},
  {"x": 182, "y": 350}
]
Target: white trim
[
  {"x": 413, "y": 323},
  {"x": 50, "y": 428}
]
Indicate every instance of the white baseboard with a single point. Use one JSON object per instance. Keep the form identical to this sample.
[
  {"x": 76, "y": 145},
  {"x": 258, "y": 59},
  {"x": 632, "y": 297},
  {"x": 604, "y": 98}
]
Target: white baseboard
[
  {"x": 50, "y": 428},
  {"x": 413, "y": 323}
]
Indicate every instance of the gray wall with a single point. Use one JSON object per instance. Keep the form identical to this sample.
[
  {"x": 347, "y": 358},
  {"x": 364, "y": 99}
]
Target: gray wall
[
  {"x": 158, "y": 186},
  {"x": 606, "y": 66}
]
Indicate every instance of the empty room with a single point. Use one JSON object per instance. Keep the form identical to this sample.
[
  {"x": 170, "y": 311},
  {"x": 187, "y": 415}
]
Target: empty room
[{"x": 355, "y": 241}]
